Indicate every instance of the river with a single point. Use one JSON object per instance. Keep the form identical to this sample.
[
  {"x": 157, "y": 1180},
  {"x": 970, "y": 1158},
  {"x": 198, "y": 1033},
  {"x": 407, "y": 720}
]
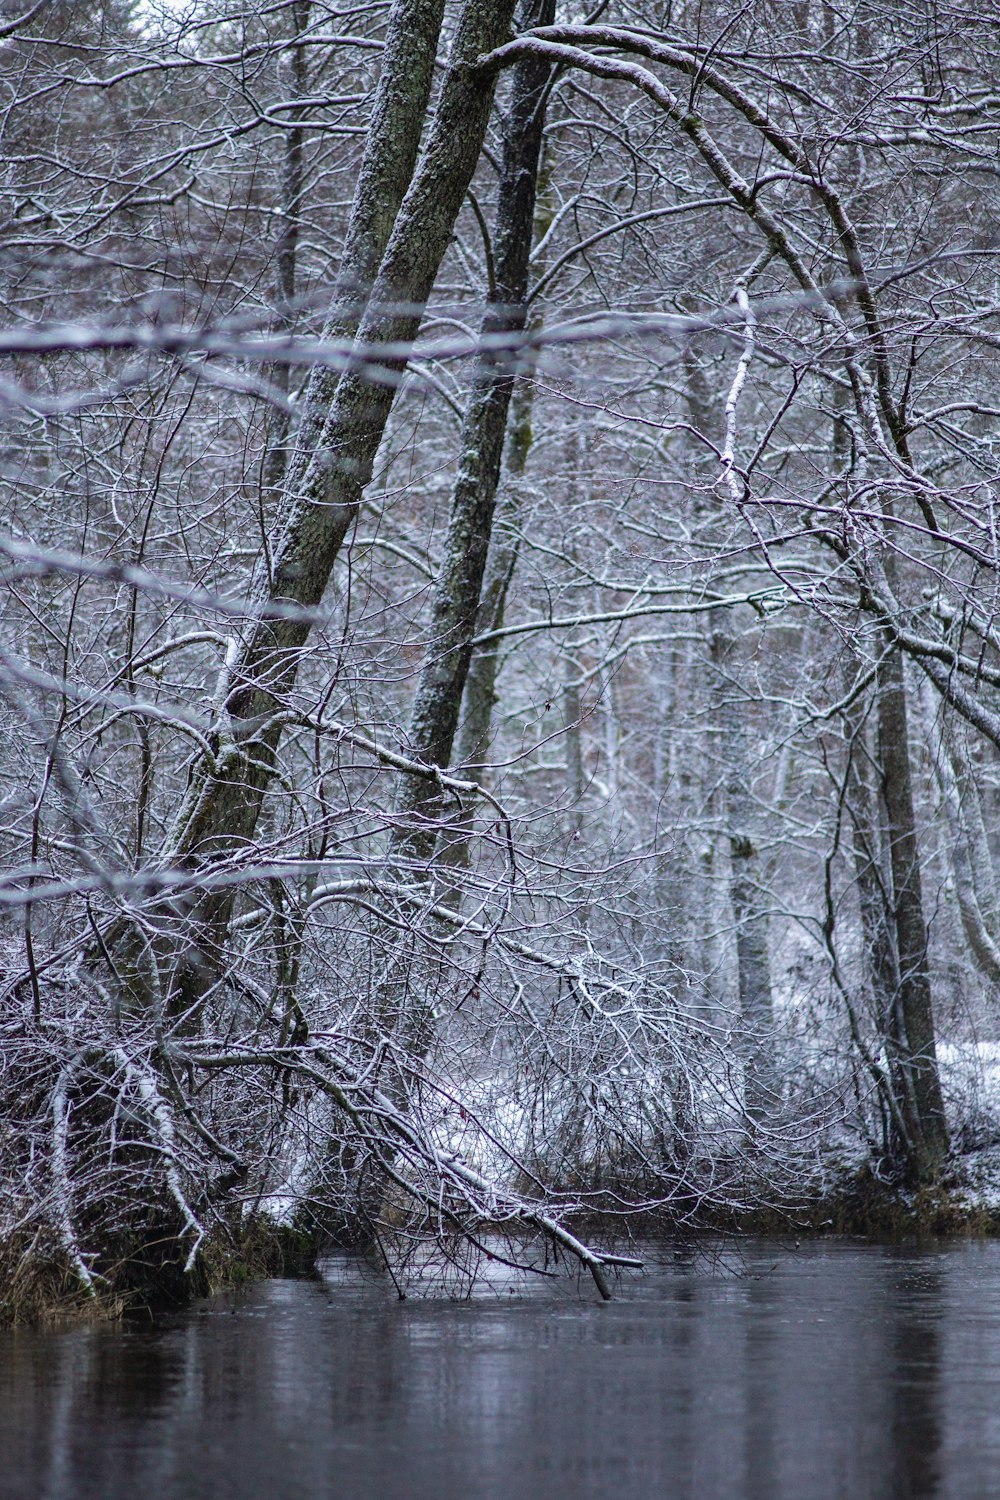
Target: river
[{"x": 771, "y": 1371}]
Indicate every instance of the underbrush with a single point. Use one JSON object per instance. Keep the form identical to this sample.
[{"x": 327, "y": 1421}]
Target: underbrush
[
  {"x": 147, "y": 1272},
  {"x": 142, "y": 1273},
  {"x": 136, "y": 1174}
]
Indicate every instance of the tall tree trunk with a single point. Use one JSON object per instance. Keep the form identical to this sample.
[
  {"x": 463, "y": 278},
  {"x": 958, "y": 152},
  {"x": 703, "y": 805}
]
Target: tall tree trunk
[
  {"x": 337, "y": 443},
  {"x": 480, "y": 696},
  {"x": 969, "y": 852},
  {"x": 402, "y": 1009},
  {"x": 873, "y": 879},
  {"x": 480, "y": 684},
  {"x": 747, "y": 887},
  {"x": 457, "y": 594},
  {"x": 910, "y": 1033}
]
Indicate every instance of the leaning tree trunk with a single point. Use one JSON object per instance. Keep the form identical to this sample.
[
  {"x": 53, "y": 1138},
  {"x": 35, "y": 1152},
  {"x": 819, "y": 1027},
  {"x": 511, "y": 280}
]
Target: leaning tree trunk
[
  {"x": 910, "y": 1029},
  {"x": 400, "y": 1009},
  {"x": 480, "y": 686},
  {"x": 455, "y": 608},
  {"x": 402, "y": 1013},
  {"x": 480, "y": 697},
  {"x": 337, "y": 442}
]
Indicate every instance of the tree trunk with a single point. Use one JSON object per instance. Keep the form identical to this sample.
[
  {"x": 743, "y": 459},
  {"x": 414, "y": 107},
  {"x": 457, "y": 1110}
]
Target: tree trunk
[
  {"x": 455, "y": 608},
  {"x": 480, "y": 685},
  {"x": 336, "y": 445},
  {"x": 910, "y": 1033},
  {"x": 873, "y": 879},
  {"x": 747, "y": 892}
]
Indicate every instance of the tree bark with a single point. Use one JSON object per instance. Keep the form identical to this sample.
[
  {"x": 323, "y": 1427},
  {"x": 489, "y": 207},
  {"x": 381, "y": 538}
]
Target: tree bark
[
  {"x": 435, "y": 714},
  {"x": 336, "y": 445},
  {"x": 480, "y": 685},
  {"x": 910, "y": 1034},
  {"x": 873, "y": 879},
  {"x": 480, "y": 688}
]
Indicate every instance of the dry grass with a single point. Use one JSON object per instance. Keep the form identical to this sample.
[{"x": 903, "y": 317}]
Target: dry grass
[{"x": 40, "y": 1286}]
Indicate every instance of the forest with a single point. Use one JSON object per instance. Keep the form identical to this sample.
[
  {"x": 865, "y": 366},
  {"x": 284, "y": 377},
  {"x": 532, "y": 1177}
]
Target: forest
[{"x": 500, "y": 661}]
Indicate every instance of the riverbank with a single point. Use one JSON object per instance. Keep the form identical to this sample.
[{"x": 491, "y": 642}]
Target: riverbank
[{"x": 40, "y": 1284}]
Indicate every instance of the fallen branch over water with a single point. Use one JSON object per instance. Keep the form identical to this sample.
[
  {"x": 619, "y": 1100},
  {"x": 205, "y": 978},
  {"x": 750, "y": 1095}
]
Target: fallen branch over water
[{"x": 390, "y": 1134}]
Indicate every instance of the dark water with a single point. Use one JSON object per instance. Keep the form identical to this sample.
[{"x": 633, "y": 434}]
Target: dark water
[{"x": 827, "y": 1371}]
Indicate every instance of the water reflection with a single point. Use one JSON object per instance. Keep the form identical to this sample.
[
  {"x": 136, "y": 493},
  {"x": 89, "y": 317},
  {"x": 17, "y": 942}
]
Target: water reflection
[
  {"x": 919, "y": 1293},
  {"x": 830, "y": 1371}
]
